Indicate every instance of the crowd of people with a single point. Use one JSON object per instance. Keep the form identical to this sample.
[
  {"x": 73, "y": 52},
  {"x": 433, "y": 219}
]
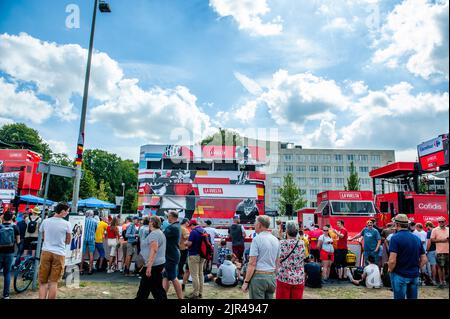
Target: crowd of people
[{"x": 280, "y": 262}]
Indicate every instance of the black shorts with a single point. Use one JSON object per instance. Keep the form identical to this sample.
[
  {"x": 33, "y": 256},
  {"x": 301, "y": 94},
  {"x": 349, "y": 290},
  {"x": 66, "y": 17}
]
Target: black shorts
[
  {"x": 28, "y": 243},
  {"x": 340, "y": 258},
  {"x": 315, "y": 253}
]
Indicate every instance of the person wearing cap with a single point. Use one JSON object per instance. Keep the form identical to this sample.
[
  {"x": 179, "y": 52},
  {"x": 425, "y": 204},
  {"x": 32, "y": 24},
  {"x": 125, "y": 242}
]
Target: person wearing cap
[
  {"x": 32, "y": 232},
  {"x": 372, "y": 242},
  {"x": 431, "y": 253},
  {"x": 406, "y": 258},
  {"x": 195, "y": 261},
  {"x": 439, "y": 236}
]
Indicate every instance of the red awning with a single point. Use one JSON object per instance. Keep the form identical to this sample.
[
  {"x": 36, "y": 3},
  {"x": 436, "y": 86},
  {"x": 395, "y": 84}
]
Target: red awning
[{"x": 397, "y": 169}]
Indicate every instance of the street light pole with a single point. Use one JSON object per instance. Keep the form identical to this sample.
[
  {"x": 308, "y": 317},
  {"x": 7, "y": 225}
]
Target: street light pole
[
  {"x": 80, "y": 144},
  {"x": 123, "y": 200}
]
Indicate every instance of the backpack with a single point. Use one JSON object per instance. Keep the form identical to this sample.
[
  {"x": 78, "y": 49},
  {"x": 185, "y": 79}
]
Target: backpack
[
  {"x": 32, "y": 225},
  {"x": 206, "y": 248},
  {"x": 6, "y": 236}
]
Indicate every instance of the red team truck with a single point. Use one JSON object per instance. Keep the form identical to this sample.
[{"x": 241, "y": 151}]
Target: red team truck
[{"x": 18, "y": 176}]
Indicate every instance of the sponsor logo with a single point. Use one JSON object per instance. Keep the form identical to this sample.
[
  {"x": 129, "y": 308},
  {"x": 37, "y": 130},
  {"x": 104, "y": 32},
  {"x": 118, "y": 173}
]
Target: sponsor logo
[
  {"x": 430, "y": 146},
  {"x": 350, "y": 195},
  {"x": 430, "y": 206},
  {"x": 209, "y": 190}
]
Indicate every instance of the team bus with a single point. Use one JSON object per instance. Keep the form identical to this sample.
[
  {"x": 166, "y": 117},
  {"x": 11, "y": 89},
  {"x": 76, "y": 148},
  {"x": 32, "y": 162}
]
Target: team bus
[{"x": 203, "y": 182}]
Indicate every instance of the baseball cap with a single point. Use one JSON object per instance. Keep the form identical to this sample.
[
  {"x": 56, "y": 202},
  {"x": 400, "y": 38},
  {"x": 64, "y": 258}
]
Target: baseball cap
[{"x": 193, "y": 222}]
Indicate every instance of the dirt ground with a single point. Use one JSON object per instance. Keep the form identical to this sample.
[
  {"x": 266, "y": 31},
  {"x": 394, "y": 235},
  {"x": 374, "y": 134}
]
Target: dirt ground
[{"x": 114, "y": 290}]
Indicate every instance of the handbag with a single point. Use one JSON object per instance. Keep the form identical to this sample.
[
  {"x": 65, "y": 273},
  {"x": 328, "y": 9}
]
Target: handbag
[{"x": 290, "y": 253}]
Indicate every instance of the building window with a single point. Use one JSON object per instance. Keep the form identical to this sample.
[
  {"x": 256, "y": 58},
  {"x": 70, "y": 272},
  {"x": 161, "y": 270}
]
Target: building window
[
  {"x": 376, "y": 158},
  {"x": 313, "y": 158},
  {"x": 314, "y": 204},
  {"x": 363, "y": 158},
  {"x": 302, "y": 158},
  {"x": 287, "y": 157},
  {"x": 276, "y": 181},
  {"x": 339, "y": 169},
  {"x": 339, "y": 181},
  {"x": 288, "y": 169},
  {"x": 314, "y": 181},
  {"x": 363, "y": 169},
  {"x": 326, "y": 169},
  {"x": 374, "y": 167},
  {"x": 313, "y": 193},
  {"x": 301, "y": 181},
  {"x": 350, "y": 157},
  {"x": 300, "y": 168},
  {"x": 365, "y": 181},
  {"x": 324, "y": 158},
  {"x": 275, "y": 191},
  {"x": 338, "y": 157},
  {"x": 326, "y": 181},
  {"x": 314, "y": 169}
]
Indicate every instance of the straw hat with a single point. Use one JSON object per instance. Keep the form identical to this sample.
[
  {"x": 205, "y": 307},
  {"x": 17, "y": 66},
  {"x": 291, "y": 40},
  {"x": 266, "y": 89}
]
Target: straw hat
[{"x": 36, "y": 210}]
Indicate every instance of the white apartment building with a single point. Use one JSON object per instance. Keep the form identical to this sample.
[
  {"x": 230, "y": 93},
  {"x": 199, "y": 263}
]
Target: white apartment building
[{"x": 317, "y": 170}]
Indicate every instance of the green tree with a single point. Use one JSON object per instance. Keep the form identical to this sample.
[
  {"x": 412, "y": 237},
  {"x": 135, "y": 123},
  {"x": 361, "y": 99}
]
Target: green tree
[
  {"x": 19, "y": 132},
  {"x": 290, "y": 193},
  {"x": 88, "y": 185},
  {"x": 223, "y": 137},
  {"x": 353, "y": 181},
  {"x": 102, "y": 192}
]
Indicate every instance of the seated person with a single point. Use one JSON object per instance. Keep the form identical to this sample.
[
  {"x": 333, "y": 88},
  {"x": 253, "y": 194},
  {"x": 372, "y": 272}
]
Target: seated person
[
  {"x": 222, "y": 252},
  {"x": 371, "y": 277},
  {"x": 227, "y": 276},
  {"x": 313, "y": 273}
]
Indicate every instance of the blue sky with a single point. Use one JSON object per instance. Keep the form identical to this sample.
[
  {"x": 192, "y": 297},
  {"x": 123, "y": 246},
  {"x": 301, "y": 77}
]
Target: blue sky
[{"x": 350, "y": 74}]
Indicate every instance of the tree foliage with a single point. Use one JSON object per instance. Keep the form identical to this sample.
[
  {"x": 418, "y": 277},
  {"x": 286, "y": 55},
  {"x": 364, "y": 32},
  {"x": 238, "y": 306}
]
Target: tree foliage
[
  {"x": 223, "y": 137},
  {"x": 353, "y": 181},
  {"x": 19, "y": 132},
  {"x": 290, "y": 193}
]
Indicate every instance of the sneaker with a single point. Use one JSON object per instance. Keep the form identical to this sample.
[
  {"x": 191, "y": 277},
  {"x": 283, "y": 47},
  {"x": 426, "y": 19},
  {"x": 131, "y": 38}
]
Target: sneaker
[
  {"x": 441, "y": 286},
  {"x": 5, "y": 297},
  {"x": 109, "y": 271},
  {"x": 192, "y": 297}
]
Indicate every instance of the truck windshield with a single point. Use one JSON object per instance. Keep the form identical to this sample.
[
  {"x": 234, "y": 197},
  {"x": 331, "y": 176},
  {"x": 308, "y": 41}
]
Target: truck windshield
[{"x": 352, "y": 208}]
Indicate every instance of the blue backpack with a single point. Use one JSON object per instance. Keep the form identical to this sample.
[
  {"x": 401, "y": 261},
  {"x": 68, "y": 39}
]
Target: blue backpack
[{"x": 6, "y": 236}]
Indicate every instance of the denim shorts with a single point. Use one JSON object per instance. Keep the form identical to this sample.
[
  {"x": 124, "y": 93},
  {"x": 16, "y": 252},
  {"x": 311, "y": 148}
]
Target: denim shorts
[
  {"x": 431, "y": 255},
  {"x": 170, "y": 271},
  {"x": 89, "y": 246},
  {"x": 101, "y": 249}
]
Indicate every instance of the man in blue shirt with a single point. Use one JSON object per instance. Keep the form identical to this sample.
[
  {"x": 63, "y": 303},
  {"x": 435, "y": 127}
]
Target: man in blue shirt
[
  {"x": 195, "y": 261},
  {"x": 372, "y": 242},
  {"x": 406, "y": 258},
  {"x": 90, "y": 227}
]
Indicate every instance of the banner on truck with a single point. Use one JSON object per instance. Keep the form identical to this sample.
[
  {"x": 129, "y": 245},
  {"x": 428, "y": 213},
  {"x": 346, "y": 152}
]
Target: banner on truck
[{"x": 8, "y": 185}]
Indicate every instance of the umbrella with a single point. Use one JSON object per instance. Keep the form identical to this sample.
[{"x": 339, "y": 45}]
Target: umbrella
[
  {"x": 93, "y": 202},
  {"x": 35, "y": 200}
]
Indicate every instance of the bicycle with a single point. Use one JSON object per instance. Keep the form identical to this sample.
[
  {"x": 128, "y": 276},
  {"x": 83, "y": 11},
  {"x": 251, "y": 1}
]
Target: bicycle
[{"x": 23, "y": 276}]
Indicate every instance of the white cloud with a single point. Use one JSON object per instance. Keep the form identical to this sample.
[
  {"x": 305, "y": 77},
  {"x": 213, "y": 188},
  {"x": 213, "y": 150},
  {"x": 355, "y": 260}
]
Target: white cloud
[
  {"x": 338, "y": 24},
  {"x": 58, "y": 70},
  {"x": 22, "y": 105},
  {"x": 407, "y": 155},
  {"x": 4, "y": 121},
  {"x": 415, "y": 35},
  {"x": 151, "y": 114},
  {"x": 58, "y": 146},
  {"x": 247, "y": 13},
  {"x": 119, "y": 103},
  {"x": 249, "y": 84},
  {"x": 358, "y": 87}
]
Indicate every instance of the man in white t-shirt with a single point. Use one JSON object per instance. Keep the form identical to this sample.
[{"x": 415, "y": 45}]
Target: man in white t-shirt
[
  {"x": 422, "y": 235},
  {"x": 56, "y": 234},
  {"x": 371, "y": 276},
  {"x": 264, "y": 251}
]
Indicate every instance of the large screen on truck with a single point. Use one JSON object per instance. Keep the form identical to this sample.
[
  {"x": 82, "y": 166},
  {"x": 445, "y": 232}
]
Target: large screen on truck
[{"x": 352, "y": 208}]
